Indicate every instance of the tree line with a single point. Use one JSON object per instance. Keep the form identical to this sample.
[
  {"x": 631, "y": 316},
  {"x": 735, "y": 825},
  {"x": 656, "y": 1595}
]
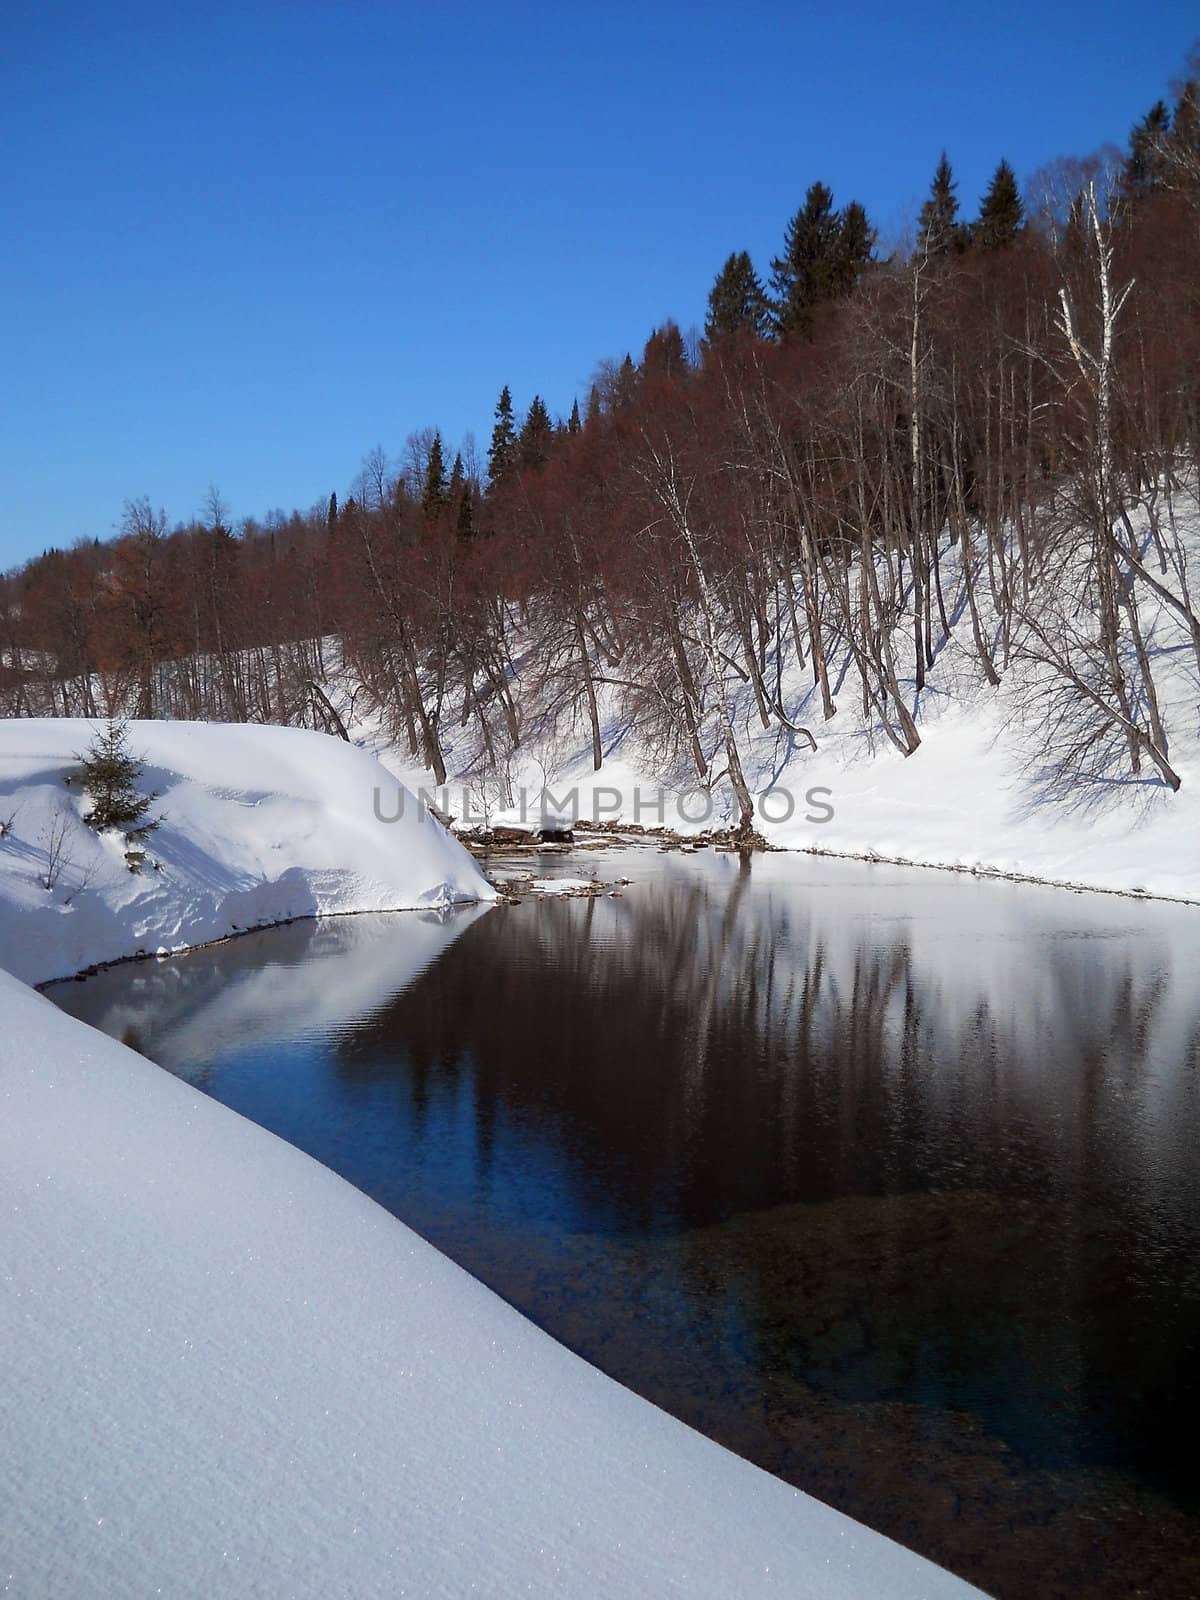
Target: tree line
[{"x": 991, "y": 434}]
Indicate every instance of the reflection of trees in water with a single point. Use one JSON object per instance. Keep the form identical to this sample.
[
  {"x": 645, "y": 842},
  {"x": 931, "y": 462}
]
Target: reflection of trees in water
[
  {"x": 693, "y": 1050},
  {"x": 824, "y": 1200},
  {"x": 984, "y": 1167}
]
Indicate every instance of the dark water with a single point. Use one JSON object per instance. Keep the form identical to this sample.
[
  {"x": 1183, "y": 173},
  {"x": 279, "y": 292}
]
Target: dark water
[{"x": 889, "y": 1180}]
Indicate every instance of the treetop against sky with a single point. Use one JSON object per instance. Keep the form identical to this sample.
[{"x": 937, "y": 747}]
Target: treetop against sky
[{"x": 244, "y": 245}]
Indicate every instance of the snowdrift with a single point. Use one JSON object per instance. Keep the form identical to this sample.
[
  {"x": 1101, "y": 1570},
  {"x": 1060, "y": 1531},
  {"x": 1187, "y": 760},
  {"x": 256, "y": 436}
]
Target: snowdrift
[
  {"x": 228, "y": 1372},
  {"x": 260, "y": 824}
]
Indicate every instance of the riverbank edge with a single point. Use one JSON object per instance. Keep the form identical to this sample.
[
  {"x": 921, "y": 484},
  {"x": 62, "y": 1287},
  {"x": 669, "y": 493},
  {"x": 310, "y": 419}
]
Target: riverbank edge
[
  {"x": 94, "y": 968},
  {"x": 995, "y": 874}
]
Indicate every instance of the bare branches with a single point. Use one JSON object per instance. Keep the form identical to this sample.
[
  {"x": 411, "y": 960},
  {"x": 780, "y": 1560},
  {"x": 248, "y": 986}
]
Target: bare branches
[{"x": 55, "y": 842}]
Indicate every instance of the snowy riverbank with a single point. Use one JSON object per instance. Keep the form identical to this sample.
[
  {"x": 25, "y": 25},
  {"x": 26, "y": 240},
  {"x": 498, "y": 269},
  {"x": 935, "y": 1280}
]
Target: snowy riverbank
[
  {"x": 230, "y": 1373},
  {"x": 979, "y": 793},
  {"x": 259, "y": 825},
  {"x": 227, "y": 1370}
]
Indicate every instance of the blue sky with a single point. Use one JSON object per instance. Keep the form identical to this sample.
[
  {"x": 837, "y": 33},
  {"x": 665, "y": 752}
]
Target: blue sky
[{"x": 243, "y": 244}]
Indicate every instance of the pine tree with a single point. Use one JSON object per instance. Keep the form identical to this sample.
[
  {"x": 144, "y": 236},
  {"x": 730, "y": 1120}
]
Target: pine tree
[
  {"x": 464, "y": 525},
  {"x": 939, "y": 232},
  {"x": 737, "y": 302},
  {"x": 594, "y": 407},
  {"x": 626, "y": 384},
  {"x": 503, "y": 449},
  {"x": 665, "y": 355},
  {"x": 108, "y": 775},
  {"x": 1000, "y": 211},
  {"x": 331, "y": 516},
  {"x": 1184, "y": 142},
  {"x": 573, "y": 422},
  {"x": 536, "y": 434},
  {"x": 852, "y": 251},
  {"x": 805, "y": 274},
  {"x": 1145, "y": 169},
  {"x": 433, "y": 495},
  {"x": 458, "y": 476}
]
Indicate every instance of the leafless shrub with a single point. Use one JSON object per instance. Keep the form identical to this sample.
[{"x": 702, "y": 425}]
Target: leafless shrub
[{"x": 55, "y": 841}]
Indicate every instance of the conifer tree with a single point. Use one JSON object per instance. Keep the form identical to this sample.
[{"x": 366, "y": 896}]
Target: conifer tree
[
  {"x": 852, "y": 251},
  {"x": 458, "y": 477},
  {"x": 1144, "y": 172},
  {"x": 536, "y": 434},
  {"x": 1000, "y": 211},
  {"x": 939, "y": 232},
  {"x": 737, "y": 302},
  {"x": 108, "y": 775},
  {"x": 806, "y": 273},
  {"x": 1185, "y": 125},
  {"x": 573, "y": 422},
  {"x": 665, "y": 355},
  {"x": 331, "y": 515},
  {"x": 464, "y": 525},
  {"x": 433, "y": 495},
  {"x": 593, "y": 405},
  {"x": 625, "y": 388},
  {"x": 503, "y": 450}
]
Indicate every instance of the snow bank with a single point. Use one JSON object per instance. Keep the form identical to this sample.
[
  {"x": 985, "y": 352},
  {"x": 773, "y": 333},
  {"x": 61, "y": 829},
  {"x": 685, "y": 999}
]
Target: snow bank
[
  {"x": 260, "y": 824},
  {"x": 978, "y": 794},
  {"x": 228, "y": 1372},
  {"x": 973, "y": 796}
]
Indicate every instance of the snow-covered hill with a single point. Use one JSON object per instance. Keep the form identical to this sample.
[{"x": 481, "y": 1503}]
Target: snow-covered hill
[
  {"x": 986, "y": 790},
  {"x": 259, "y": 824}
]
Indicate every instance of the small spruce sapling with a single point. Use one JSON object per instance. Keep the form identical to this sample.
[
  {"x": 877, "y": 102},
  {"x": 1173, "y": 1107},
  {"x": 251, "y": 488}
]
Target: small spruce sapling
[{"x": 108, "y": 775}]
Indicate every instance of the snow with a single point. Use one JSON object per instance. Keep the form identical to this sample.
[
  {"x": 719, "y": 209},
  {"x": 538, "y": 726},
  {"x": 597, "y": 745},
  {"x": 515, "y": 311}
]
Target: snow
[
  {"x": 228, "y": 1372},
  {"x": 558, "y": 885},
  {"x": 975, "y": 795},
  {"x": 260, "y": 824}
]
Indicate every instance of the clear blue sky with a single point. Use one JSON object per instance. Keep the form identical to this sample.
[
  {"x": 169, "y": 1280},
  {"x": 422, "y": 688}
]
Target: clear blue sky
[{"x": 242, "y": 244}]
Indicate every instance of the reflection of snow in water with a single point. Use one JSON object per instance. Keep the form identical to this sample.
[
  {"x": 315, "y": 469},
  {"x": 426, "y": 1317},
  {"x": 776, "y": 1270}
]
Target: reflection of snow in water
[
  {"x": 856, "y": 1151},
  {"x": 276, "y": 985}
]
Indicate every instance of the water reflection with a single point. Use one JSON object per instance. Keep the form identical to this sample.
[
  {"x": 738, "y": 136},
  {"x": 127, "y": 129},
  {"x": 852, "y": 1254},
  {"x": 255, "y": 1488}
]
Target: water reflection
[{"x": 886, "y": 1179}]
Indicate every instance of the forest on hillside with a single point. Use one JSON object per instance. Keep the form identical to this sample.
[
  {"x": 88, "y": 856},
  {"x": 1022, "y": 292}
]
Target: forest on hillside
[{"x": 994, "y": 432}]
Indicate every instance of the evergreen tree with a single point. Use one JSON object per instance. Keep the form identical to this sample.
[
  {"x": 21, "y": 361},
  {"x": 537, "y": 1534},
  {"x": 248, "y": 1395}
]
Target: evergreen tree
[
  {"x": 433, "y": 495},
  {"x": 626, "y": 384},
  {"x": 109, "y": 775},
  {"x": 458, "y": 477},
  {"x": 852, "y": 251},
  {"x": 536, "y": 434},
  {"x": 939, "y": 232},
  {"x": 1145, "y": 169},
  {"x": 737, "y": 302},
  {"x": 331, "y": 515},
  {"x": 1184, "y": 142},
  {"x": 1180, "y": 148},
  {"x": 593, "y": 405},
  {"x": 1000, "y": 211},
  {"x": 464, "y": 525},
  {"x": 573, "y": 422},
  {"x": 806, "y": 273},
  {"x": 503, "y": 449},
  {"x": 665, "y": 355}
]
